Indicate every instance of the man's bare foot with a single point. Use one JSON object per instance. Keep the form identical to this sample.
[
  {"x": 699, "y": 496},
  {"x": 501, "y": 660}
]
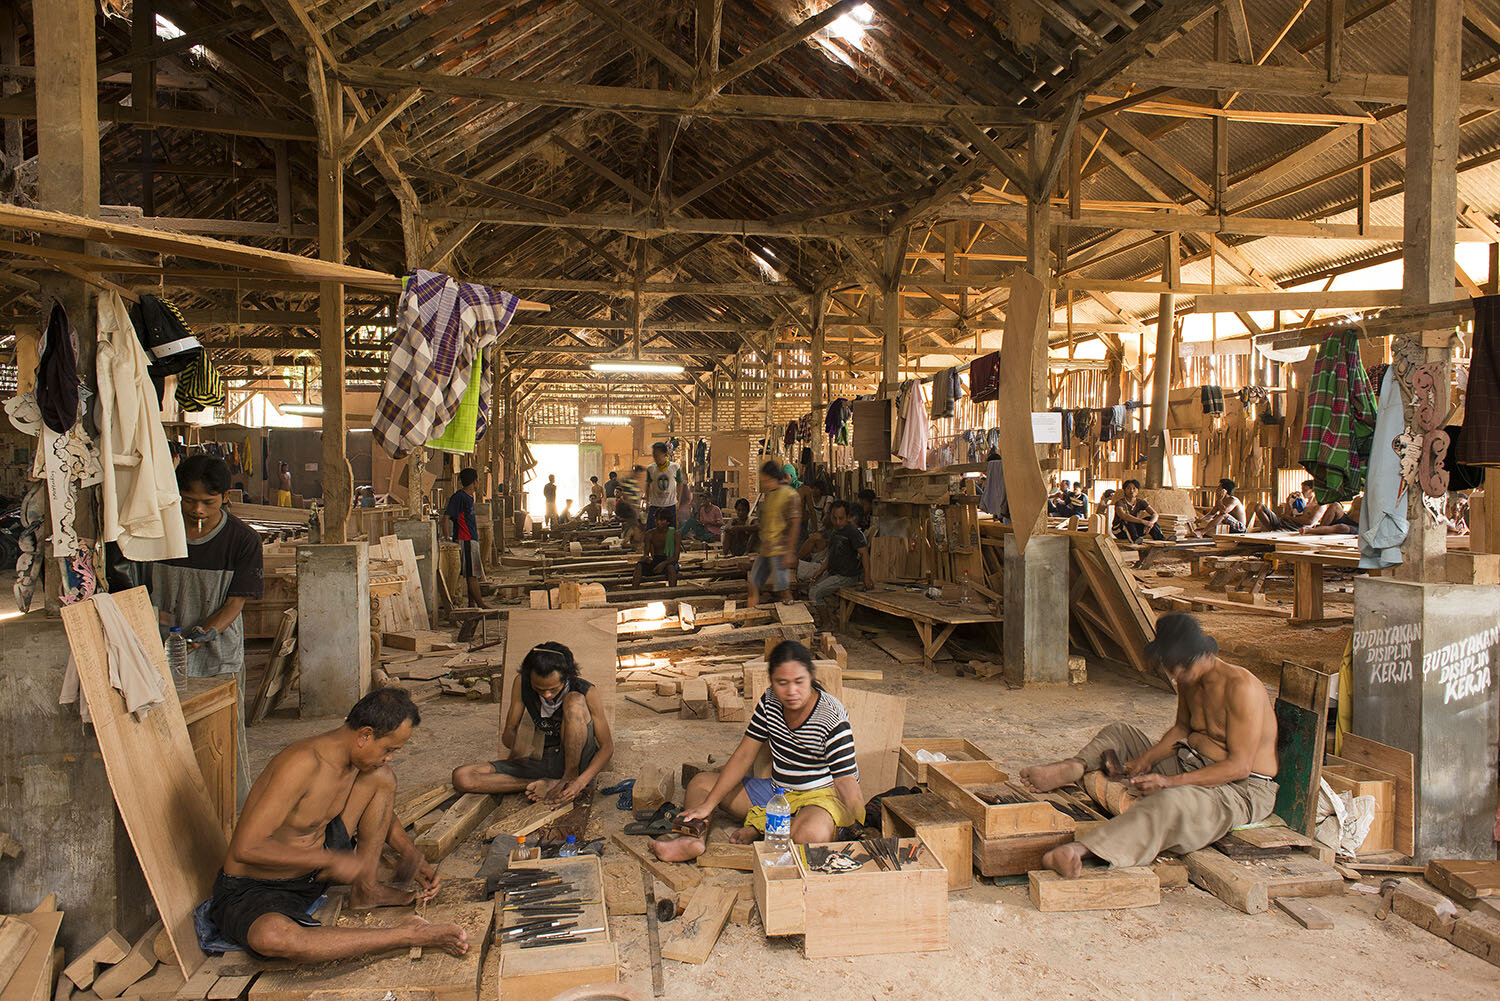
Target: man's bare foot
[
  {"x": 1045, "y": 778},
  {"x": 744, "y": 836},
  {"x": 379, "y": 895},
  {"x": 450, "y": 938},
  {"x": 1066, "y": 860},
  {"x": 680, "y": 849},
  {"x": 542, "y": 788}
]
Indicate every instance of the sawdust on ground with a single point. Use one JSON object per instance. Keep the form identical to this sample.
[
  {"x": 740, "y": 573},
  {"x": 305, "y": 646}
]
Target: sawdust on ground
[{"x": 1192, "y": 946}]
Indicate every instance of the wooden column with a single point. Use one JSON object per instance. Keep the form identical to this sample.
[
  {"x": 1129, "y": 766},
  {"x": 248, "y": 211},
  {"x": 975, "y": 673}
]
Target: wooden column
[
  {"x": 338, "y": 478},
  {"x": 769, "y": 385},
  {"x": 1431, "y": 222},
  {"x": 819, "y": 328},
  {"x": 1039, "y": 258},
  {"x": 1157, "y": 449},
  {"x": 739, "y": 387},
  {"x": 890, "y": 312}
]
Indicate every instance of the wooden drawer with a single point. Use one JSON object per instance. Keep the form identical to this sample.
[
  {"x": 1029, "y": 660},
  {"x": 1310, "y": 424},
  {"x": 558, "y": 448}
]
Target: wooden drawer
[
  {"x": 961, "y": 782},
  {"x": 956, "y": 748}
]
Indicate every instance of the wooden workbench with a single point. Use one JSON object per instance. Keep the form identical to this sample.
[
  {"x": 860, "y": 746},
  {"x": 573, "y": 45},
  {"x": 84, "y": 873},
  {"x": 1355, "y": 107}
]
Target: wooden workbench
[
  {"x": 923, "y": 612},
  {"x": 1307, "y": 582}
]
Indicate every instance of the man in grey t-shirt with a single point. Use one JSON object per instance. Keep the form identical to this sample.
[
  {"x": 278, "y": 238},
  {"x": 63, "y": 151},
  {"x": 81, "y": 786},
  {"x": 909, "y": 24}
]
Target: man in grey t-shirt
[{"x": 205, "y": 591}]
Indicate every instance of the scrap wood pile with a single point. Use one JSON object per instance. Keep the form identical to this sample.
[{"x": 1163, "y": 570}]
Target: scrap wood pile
[{"x": 1110, "y": 617}]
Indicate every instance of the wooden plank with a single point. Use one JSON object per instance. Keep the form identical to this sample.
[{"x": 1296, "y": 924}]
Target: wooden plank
[
  {"x": 112, "y": 948},
  {"x": 438, "y": 977},
  {"x": 1297, "y": 875},
  {"x": 459, "y": 821},
  {"x": 1095, "y": 889},
  {"x": 32, "y": 979},
  {"x": 656, "y": 703},
  {"x": 1301, "y": 710},
  {"x": 16, "y": 937},
  {"x": 1272, "y": 837},
  {"x": 158, "y": 787},
  {"x": 273, "y": 681},
  {"x": 1465, "y": 880},
  {"x": 411, "y": 806},
  {"x": 723, "y": 855},
  {"x": 229, "y": 988},
  {"x": 623, "y": 890},
  {"x": 692, "y": 936},
  {"x": 533, "y": 817},
  {"x": 678, "y": 876},
  {"x": 794, "y": 615},
  {"x": 1307, "y": 915},
  {"x": 1025, "y": 318},
  {"x": 877, "y": 721},
  {"x": 137, "y": 963},
  {"x": 1231, "y": 882},
  {"x": 1399, "y": 763}
]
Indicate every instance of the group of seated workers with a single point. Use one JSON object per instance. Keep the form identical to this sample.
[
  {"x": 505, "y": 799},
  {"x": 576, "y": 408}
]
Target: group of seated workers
[{"x": 322, "y": 811}]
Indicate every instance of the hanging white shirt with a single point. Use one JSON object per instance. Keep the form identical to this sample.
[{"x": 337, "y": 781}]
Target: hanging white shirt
[
  {"x": 142, "y": 509},
  {"x": 912, "y": 444}
]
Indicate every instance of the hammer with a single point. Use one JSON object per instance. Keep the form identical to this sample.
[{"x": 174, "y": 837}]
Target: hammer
[{"x": 1387, "y": 897}]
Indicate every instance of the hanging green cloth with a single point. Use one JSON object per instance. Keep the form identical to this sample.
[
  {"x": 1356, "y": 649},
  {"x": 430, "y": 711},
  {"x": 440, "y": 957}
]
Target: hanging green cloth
[{"x": 461, "y": 434}]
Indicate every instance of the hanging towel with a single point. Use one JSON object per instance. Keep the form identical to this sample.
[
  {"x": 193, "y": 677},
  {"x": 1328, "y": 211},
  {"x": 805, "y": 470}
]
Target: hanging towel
[
  {"x": 945, "y": 390},
  {"x": 1382, "y": 516},
  {"x": 1213, "y": 399},
  {"x": 834, "y": 419},
  {"x": 142, "y": 510},
  {"x": 1340, "y": 421},
  {"x": 791, "y": 434},
  {"x": 57, "y": 372},
  {"x": 984, "y": 378},
  {"x": 1480, "y": 443},
  {"x": 132, "y": 672},
  {"x": 441, "y": 325},
  {"x": 911, "y": 445}
]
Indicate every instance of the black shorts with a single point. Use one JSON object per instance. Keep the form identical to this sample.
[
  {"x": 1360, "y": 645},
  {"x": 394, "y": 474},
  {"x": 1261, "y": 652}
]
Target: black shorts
[
  {"x": 551, "y": 764},
  {"x": 239, "y": 901},
  {"x": 466, "y": 559},
  {"x": 652, "y": 566}
]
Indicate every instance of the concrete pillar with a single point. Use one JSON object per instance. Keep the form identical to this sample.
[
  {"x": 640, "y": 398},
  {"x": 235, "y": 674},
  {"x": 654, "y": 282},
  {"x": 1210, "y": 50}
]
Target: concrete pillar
[
  {"x": 333, "y": 626},
  {"x": 424, "y": 542},
  {"x": 56, "y": 800},
  {"x": 1036, "y": 610},
  {"x": 1423, "y": 673}
]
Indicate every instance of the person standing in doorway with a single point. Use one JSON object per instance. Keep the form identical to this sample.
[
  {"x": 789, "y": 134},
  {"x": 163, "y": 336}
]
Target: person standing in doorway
[
  {"x": 465, "y": 531},
  {"x": 549, "y": 495},
  {"x": 283, "y": 486},
  {"x": 665, "y": 484},
  {"x": 205, "y": 591}
]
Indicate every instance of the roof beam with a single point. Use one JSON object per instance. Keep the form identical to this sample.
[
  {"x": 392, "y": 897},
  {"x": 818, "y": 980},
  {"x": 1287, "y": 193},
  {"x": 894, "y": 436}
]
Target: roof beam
[
  {"x": 668, "y": 102},
  {"x": 372, "y": 126},
  {"x": 776, "y": 46},
  {"x": 1287, "y": 81},
  {"x": 640, "y": 38},
  {"x": 24, "y": 106},
  {"x": 646, "y": 225}
]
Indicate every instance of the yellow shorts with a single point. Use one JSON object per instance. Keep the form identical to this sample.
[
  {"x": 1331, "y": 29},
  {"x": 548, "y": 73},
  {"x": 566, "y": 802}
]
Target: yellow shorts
[
  {"x": 822, "y": 797},
  {"x": 283, "y": 498}
]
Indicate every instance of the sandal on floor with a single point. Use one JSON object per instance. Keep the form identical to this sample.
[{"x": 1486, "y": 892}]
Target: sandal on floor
[
  {"x": 659, "y": 826},
  {"x": 665, "y": 810}
]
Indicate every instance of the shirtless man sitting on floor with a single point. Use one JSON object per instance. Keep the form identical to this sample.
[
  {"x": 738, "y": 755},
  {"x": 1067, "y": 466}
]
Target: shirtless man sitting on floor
[
  {"x": 320, "y": 814},
  {"x": 1214, "y": 770}
]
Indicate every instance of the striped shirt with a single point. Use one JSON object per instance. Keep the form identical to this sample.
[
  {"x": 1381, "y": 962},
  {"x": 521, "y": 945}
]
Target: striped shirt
[{"x": 813, "y": 754}]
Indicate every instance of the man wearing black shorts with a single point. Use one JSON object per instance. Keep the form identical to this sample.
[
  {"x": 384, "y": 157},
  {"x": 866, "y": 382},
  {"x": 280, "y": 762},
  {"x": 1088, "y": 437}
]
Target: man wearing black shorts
[
  {"x": 568, "y": 714},
  {"x": 465, "y": 528},
  {"x": 320, "y": 814},
  {"x": 660, "y": 559}
]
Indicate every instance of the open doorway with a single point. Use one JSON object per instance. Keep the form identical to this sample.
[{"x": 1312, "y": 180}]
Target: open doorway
[{"x": 560, "y": 460}]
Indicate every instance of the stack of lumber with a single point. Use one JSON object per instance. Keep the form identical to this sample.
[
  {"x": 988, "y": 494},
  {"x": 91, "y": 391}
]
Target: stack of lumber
[
  {"x": 792, "y": 622},
  {"x": 1110, "y": 616},
  {"x": 1174, "y": 527},
  {"x": 27, "y": 961},
  {"x": 405, "y": 608}
]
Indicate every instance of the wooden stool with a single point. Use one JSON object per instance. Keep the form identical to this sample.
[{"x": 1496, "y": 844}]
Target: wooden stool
[{"x": 948, "y": 833}]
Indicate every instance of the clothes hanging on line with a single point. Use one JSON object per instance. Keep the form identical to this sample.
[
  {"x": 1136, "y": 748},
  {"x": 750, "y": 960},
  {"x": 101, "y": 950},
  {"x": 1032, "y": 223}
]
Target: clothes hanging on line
[
  {"x": 1340, "y": 422},
  {"x": 946, "y": 389},
  {"x": 200, "y": 385},
  {"x": 441, "y": 326},
  {"x": 1213, "y": 399},
  {"x": 141, "y": 507},
  {"x": 1382, "y": 517},
  {"x": 911, "y": 442},
  {"x": 994, "y": 500},
  {"x": 984, "y": 378},
  {"x": 1480, "y": 442},
  {"x": 57, "y": 372}
]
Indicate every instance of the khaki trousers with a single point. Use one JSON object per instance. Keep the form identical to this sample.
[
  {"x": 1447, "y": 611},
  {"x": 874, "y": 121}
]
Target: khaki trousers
[{"x": 1179, "y": 819}]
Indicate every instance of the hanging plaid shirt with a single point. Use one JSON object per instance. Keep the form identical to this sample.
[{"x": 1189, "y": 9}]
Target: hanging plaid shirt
[
  {"x": 1340, "y": 425},
  {"x": 441, "y": 326}
]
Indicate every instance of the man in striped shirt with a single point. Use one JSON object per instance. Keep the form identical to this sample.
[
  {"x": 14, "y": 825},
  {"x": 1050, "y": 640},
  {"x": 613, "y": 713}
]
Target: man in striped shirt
[{"x": 812, "y": 762}]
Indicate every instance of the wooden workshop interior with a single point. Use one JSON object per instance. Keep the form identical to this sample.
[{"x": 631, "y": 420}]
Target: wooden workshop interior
[{"x": 1092, "y": 311}]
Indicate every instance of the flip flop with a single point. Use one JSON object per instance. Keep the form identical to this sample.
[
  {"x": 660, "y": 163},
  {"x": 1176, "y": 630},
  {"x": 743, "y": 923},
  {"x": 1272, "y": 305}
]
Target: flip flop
[
  {"x": 662, "y": 825},
  {"x": 665, "y": 810},
  {"x": 625, "y": 790}
]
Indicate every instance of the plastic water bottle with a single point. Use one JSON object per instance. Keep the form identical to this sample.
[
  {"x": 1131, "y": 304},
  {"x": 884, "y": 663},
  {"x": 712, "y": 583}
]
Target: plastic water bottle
[
  {"x": 779, "y": 822},
  {"x": 177, "y": 653},
  {"x": 569, "y": 848},
  {"x": 522, "y": 852}
]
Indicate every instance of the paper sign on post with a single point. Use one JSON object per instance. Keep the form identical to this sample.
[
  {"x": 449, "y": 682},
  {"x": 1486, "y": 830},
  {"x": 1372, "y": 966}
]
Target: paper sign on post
[{"x": 1046, "y": 428}]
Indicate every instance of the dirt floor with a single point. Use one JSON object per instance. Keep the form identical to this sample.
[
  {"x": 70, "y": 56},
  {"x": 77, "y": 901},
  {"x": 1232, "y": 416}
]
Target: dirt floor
[{"x": 1192, "y": 946}]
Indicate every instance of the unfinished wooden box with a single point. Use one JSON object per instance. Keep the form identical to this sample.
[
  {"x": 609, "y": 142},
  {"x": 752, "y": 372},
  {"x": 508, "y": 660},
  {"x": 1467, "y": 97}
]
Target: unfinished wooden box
[
  {"x": 967, "y": 784},
  {"x": 956, "y": 748},
  {"x": 938, "y": 823},
  {"x": 1361, "y": 780},
  {"x": 540, "y": 974},
  {"x": 864, "y": 912}
]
